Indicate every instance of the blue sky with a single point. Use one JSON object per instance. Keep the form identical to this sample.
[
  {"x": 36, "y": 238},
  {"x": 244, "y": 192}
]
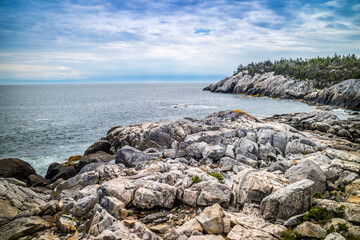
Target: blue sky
[{"x": 164, "y": 40}]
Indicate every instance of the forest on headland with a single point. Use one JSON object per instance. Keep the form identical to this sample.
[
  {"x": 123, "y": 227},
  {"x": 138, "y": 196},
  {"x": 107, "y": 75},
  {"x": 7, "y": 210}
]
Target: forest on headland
[{"x": 325, "y": 71}]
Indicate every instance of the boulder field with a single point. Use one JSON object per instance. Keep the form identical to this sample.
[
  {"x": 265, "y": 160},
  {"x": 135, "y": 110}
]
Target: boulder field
[
  {"x": 344, "y": 94},
  {"x": 227, "y": 176}
]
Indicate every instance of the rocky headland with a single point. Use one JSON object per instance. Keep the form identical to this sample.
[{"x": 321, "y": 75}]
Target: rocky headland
[
  {"x": 227, "y": 176},
  {"x": 344, "y": 94}
]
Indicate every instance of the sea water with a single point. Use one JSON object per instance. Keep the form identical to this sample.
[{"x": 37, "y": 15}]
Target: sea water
[{"x": 42, "y": 124}]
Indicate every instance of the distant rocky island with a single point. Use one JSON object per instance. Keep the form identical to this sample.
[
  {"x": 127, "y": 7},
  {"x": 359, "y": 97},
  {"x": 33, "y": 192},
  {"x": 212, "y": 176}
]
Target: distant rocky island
[
  {"x": 330, "y": 81},
  {"x": 228, "y": 176}
]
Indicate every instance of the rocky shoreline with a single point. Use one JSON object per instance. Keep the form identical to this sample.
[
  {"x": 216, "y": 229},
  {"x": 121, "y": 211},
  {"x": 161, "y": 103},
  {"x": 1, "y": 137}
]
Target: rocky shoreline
[
  {"x": 345, "y": 94},
  {"x": 227, "y": 176}
]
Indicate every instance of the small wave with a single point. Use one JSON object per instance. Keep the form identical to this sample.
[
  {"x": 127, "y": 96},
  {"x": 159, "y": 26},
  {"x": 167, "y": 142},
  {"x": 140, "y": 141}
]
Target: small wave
[
  {"x": 202, "y": 106},
  {"x": 41, "y": 119}
]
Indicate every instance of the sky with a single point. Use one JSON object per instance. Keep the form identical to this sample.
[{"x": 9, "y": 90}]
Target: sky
[{"x": 165, "y": 40}]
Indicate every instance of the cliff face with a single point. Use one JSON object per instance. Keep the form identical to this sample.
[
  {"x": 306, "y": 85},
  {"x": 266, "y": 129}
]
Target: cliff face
[
  {"x": 266, "y": 84},
  {"x": 344, "y": 94}
]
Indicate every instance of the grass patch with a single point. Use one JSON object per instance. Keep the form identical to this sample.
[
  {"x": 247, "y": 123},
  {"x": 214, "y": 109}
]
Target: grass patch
[
  {"x": 195, "y": 179},
  {"x": 218, "y": 176}
]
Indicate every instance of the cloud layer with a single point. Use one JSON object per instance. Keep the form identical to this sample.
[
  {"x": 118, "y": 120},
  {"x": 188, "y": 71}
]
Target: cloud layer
[{"x": 155, "y": 40}]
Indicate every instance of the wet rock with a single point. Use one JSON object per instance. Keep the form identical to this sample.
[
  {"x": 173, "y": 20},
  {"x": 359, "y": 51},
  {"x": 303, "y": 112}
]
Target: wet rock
[
  {"x": 56, "y": 171},
  {"x": 101, "y": 145},
  {"x": 286, "y": 202},
  {"x": 16, "y": 168},
  {"x": 36, "y": 180}
]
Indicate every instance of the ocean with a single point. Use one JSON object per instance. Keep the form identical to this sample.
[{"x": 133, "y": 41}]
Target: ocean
[{"x": 42, "y": 124}]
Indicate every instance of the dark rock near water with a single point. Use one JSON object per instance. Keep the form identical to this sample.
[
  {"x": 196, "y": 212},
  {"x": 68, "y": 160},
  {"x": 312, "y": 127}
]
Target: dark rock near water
[
  {"x": 56, "y": 171},
  {"x": 97, "y": 157},
  {"x": 344, "y": 94},
  {"x": 101, "y": 145},
  {"x": 16, "y": 168}
]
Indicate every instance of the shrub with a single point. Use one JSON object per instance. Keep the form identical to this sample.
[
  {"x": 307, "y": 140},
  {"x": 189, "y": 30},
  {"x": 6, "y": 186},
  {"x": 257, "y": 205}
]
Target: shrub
[
  {"x": 318, "y": 215},
  {"x": 218, "y": 176},
  {"x": 303, "y": 152},
  {"x": 195, "y": 179},
  {"x": 290, "y": 235},
  {"x": 342, "y": 227},
  {"x": 318, "y": 195}
]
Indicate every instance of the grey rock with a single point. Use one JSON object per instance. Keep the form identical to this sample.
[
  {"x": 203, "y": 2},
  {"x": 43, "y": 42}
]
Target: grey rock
[
  {"x": 21, "y": 227},
  {"x": 196, "y": 149},
  {"x": 130, "y": 157},
  {"x": 307, "y": 169},
  {"x": 334, "y": 236},
  {"x": 286, "y": 202},
  {"x": 344, "y": 94},
  {"x": 311, "y": 230},
  {"x": 211, "y": 219}
]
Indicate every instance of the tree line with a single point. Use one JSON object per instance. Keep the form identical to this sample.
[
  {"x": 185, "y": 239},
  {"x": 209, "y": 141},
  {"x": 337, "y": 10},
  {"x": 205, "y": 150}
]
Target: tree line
[{"x": 326, "y": 71}]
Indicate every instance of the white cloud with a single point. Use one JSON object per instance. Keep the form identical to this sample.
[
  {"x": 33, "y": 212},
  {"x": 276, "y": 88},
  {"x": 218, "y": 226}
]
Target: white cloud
[
  {"x": 93, "y": 41},
  {"x": 38, "y": 72}
]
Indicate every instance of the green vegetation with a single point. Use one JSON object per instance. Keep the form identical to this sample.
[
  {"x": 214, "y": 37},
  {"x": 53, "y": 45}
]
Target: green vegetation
[
  {"x": 217, "y": 175},
  {"x": 79, "y": 219},
  {"x": 318, "y": 195},
  {"x": 342, "y": 227},
  {"x": 326, "y": 71},
  {"x": 130, "y": 213},
  {"x": 195, "y": 179},
  {"x": 303, "y": 152},
  {"x": 318, "y": 215},
  {"x": 290, "y": 235}
]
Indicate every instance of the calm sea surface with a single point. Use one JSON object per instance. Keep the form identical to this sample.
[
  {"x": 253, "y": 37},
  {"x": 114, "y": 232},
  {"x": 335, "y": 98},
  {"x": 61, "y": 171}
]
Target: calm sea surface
[{"x": 45, "y": 123}]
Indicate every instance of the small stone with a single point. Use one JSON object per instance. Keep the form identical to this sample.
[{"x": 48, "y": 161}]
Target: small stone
[
  {"x": 309, "y": 229},
  {"x": 161, "y": 228}
]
